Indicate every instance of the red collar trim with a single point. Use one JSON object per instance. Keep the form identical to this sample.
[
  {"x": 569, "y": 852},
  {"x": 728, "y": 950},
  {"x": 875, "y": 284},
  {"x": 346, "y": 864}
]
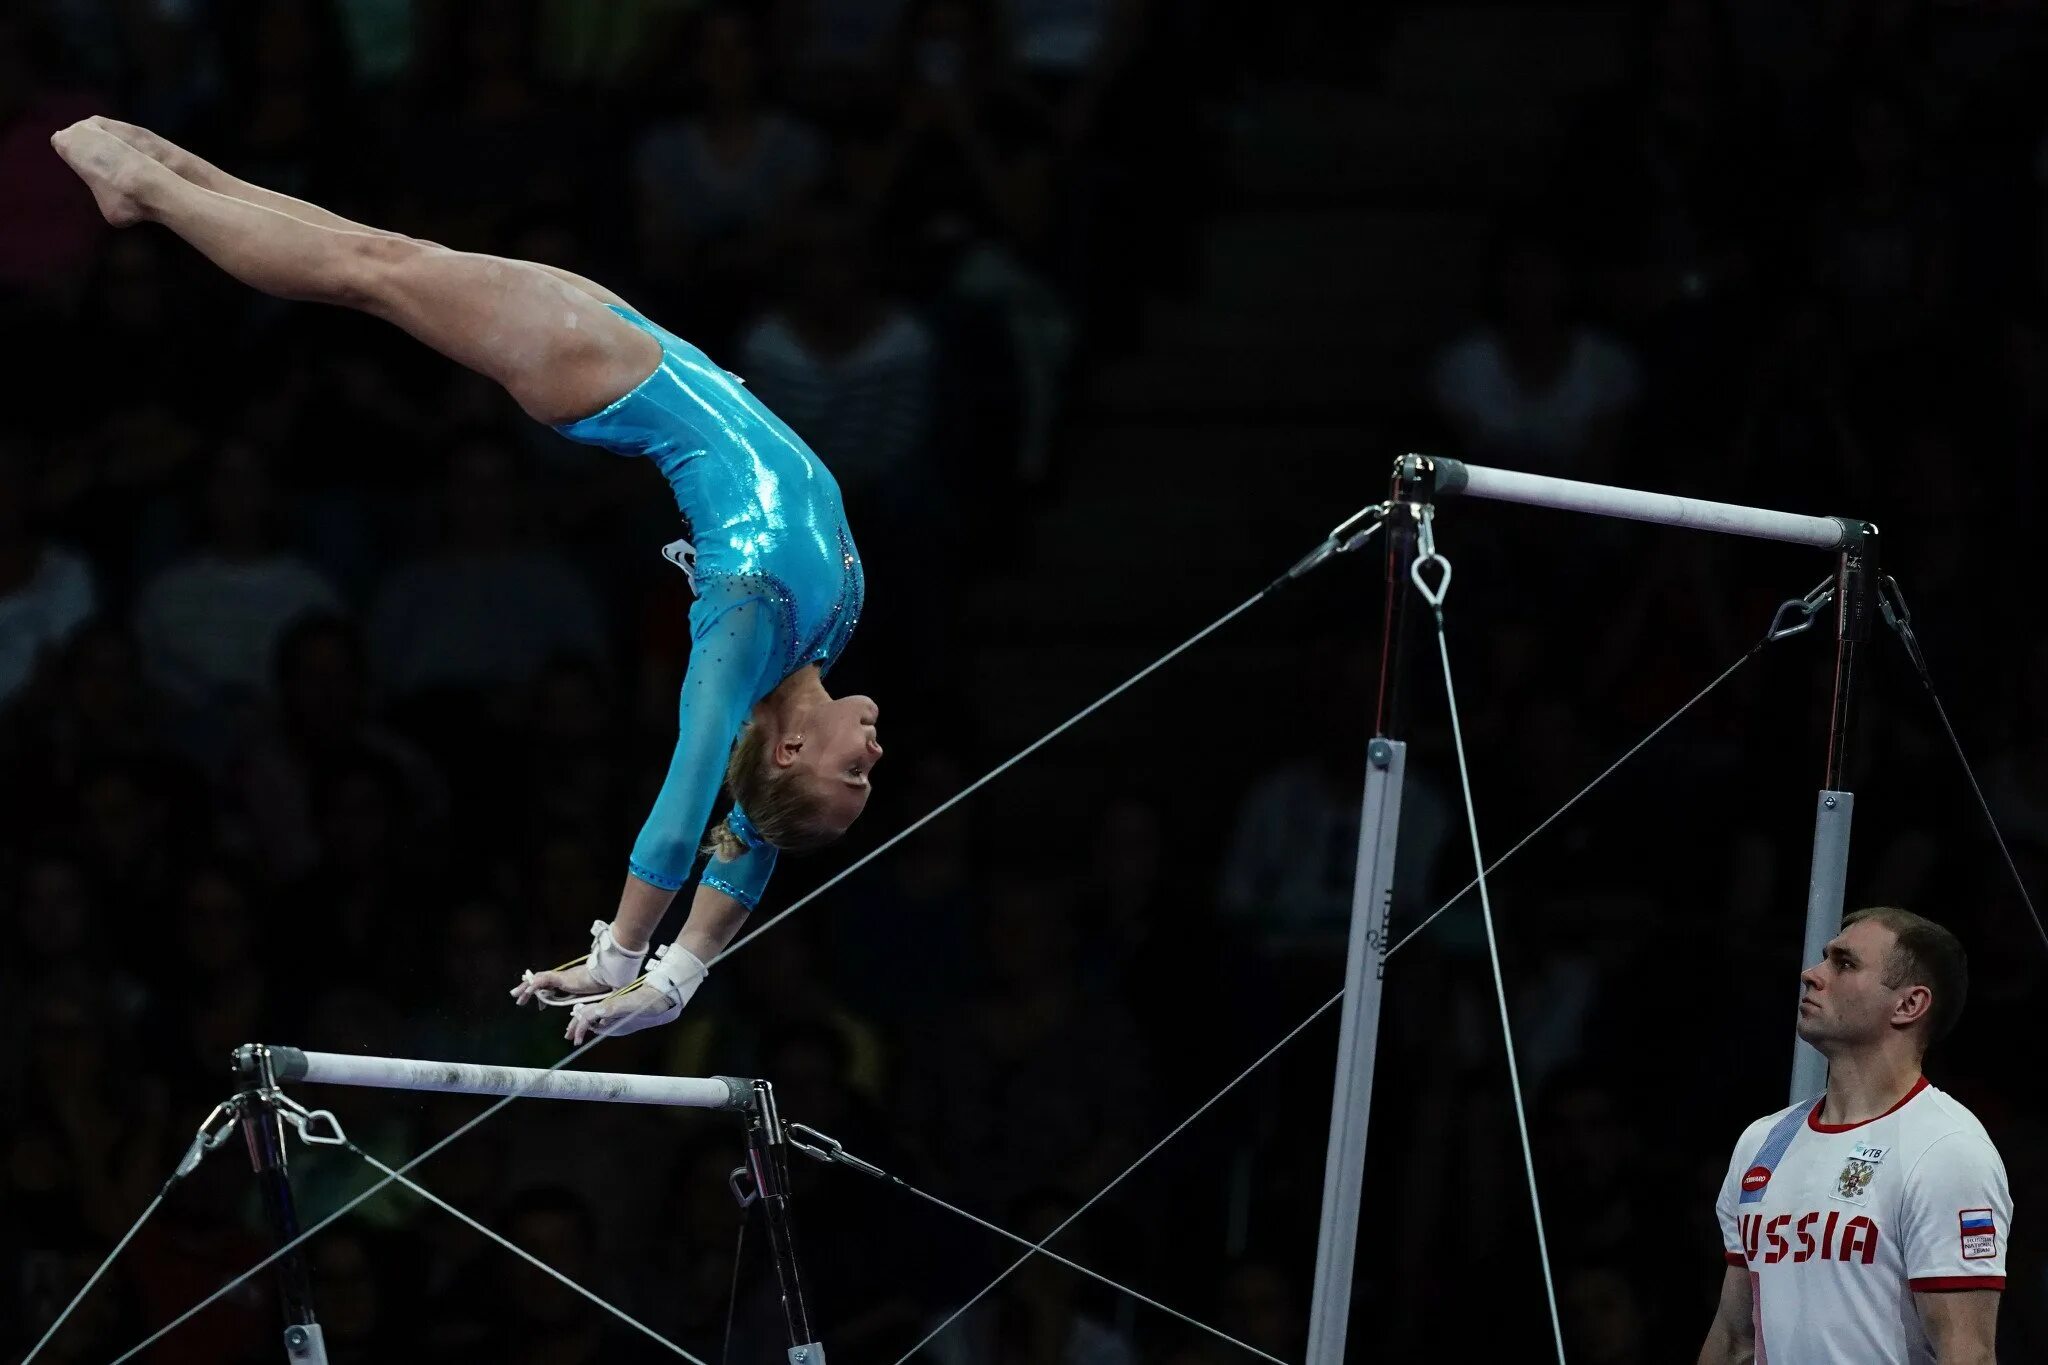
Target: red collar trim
[{"x": 1813, "y": 1116}]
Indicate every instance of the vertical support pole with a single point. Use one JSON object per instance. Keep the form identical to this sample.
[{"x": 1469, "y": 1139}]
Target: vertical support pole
[
  {"x": 263, "y": 1131},
  {"x": 768, "y": 1160},
  {"x": 1372, "y": 895},
  {"x": 1400, "y": 538},
  {"x": 1824, "y": 889},
  {"x": 1856, "y": 578},
  {"x": 1357, "y": 1048}
]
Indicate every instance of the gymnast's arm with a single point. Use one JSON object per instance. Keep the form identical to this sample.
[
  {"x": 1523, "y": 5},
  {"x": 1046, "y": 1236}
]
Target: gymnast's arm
[
  {"x": 731, "y": 655},
  {"x": 715, "y": 920},
  {"x": 1732, "y": 1340}
]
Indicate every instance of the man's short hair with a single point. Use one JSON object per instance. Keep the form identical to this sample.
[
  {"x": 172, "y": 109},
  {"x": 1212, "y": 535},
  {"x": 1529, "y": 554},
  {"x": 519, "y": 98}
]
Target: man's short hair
[{"x": 1927, "y": 955}]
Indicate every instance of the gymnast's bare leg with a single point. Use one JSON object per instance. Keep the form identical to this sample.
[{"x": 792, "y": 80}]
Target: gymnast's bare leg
[
  {"x": 208, "y": 176},
  {"x": 548, "y": 337}
]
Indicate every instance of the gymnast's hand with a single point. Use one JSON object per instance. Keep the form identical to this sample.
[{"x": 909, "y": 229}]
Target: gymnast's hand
[
  {"x": 629, "y": 1011},
  {"x": 605, "y": 969},
  {"x": 671, "y": 981},
  {"x": 562, "y": 985}
]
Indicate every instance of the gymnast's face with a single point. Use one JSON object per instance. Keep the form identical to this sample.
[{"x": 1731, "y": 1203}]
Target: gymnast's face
[
  {"x": 838, "y": 753},
  {"x": 1846, "y": 1001}
]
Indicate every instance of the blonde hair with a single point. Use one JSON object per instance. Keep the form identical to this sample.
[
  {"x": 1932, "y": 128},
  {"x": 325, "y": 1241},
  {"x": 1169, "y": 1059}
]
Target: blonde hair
[{"x": 787, "y": 815}]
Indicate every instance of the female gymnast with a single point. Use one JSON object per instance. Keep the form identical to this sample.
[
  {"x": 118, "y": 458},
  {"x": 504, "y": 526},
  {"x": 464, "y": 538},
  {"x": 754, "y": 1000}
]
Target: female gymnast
[{"x": 778, "y": 583}]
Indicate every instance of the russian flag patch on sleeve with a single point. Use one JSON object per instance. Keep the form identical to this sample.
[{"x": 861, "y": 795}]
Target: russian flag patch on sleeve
[{"x": 1979, "y": 1233}]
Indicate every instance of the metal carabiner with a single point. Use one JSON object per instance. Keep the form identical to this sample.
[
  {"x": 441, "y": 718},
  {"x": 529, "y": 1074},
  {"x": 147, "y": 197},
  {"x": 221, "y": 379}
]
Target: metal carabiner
[
  {"x": 821, "y": 1147},
  {"x": 215, "y": 1130},
  {"x": 1347, "y": 535},
  {"x": 1891, "y": 602},
  {"x": 226, "y": 1114},
  {"x": 1807, "y": 608}
]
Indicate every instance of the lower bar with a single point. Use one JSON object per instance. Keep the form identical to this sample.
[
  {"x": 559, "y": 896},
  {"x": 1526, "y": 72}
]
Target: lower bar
[
  {"x": 468, "y": 1078},
  {"x": 1357, "y": 1047}
]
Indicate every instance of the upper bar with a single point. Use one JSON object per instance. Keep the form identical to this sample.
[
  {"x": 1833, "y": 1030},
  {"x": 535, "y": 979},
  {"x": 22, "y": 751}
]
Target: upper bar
[
  {"x": 469, "y": 1078},
  {"x": 1541, "y": 490}
]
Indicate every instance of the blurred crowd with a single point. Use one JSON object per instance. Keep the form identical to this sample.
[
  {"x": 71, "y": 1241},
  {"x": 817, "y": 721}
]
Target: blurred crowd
[{"x": 332, "y": 692}]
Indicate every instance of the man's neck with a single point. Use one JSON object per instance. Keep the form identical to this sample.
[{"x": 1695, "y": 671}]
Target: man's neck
[{"x": 1862, "y": 1086}]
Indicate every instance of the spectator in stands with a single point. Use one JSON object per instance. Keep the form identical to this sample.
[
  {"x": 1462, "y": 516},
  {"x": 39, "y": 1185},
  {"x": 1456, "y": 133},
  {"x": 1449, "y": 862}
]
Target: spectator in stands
[
  {"x": 968, "y": 197},
  {"x": 127, "y": 829},
  {"x": 356, "y": 1323},
  {"x": 1661, "y": 179},
  {"x": 844, "y": 362},
  {"x": 1040, "y": 1314},
  {"x": 1291, "y": 855},
  {"x": 288, "y": 116},
  {"x": 542, "y": 1321},
  {"x": 1881, "y": 237},
  {"x": 1531, "y": 388},
  {"x": 838, "y": 51},
  {"x": 491, "y": 142},
  {"x": 209, "y": 623},
  {"x": 715, "y": 183},
  {"x": 440, "y": 622},
  {"x": 372, "y": 876},
  {"x": 322, "y": 718},
  {"x": 47, "y": 237},
  {"x": 46, "y": 592},
  {"x": 975, "y": 1080}
]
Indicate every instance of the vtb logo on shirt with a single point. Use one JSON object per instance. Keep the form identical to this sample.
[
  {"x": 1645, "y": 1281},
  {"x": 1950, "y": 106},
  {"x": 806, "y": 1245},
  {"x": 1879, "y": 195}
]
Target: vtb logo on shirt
[{"x": 1808, "y": 1237}]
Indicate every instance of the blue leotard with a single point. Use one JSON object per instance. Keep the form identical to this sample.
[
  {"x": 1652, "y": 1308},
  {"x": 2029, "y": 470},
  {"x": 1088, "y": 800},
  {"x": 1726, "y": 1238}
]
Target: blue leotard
[{"x": 778, "y": 583}]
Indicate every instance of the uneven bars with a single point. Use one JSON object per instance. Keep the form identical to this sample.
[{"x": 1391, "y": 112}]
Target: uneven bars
[
  {"x": 470, "y": 1078},
  {"x": 1456, "y": 478}
]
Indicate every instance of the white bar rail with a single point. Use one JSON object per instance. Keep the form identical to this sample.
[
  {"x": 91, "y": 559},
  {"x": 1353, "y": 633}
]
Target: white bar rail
[
  {"x": 1455, "y": 478},
  {"x": 470, "y": 1078}
]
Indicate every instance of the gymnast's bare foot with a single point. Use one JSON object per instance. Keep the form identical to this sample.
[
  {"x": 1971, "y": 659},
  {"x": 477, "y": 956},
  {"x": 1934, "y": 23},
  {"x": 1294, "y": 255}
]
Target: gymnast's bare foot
[
  {"x": 115, "y": 172},
  {"x": 161, "y": 150}
]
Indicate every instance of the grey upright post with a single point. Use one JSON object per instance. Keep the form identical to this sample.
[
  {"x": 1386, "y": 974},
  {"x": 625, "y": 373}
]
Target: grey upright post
[
  {"x": 1824, "y": 891},
  {"x": 1357, "y": 1045},
  {"x": 1856, "y": 579}
]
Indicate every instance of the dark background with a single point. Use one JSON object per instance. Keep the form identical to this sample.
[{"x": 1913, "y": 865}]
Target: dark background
[{"x": 332, "y": 692}]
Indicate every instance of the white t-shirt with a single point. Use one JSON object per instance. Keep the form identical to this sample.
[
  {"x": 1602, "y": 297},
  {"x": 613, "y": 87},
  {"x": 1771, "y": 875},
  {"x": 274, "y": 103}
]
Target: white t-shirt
[{"x": 1840, "y": 1225}]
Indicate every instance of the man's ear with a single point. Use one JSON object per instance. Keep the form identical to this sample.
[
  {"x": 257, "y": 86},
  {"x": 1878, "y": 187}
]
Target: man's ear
[{"x": 1914, "y": 1006}]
